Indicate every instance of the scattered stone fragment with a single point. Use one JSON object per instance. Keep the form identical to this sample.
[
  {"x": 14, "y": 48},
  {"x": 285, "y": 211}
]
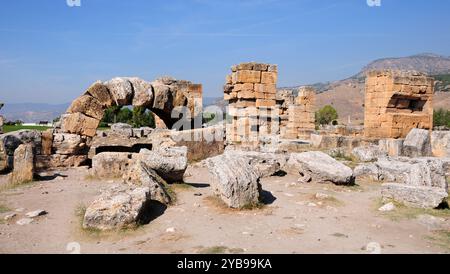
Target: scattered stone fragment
[
  {"x": 9, "y": 216},
  {"x": 36, "y": 213},
  {"x": 387, "y": 207},
  {"x": 25, "y": 221}
]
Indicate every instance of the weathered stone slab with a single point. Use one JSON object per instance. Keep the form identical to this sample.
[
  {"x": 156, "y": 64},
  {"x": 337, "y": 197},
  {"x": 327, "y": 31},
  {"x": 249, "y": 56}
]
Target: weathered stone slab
[
  {"x": 417, "y": 143},
  {"x": 319, "y": 167},
  {"x": 169, "y": 163},
  {"x": 414, "y": 196},
  {"x": 235, "y": 181},
  {"x": 23, "y": 165},
  {"x": 440, "y": 143}
]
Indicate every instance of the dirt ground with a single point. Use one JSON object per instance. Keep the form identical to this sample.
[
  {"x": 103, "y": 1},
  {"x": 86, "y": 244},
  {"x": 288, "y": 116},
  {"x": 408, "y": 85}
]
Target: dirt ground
[{"x": 293, "y": 220}]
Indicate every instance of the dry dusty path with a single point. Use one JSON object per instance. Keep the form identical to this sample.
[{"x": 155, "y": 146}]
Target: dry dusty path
[{"x": 293, "y": 221}]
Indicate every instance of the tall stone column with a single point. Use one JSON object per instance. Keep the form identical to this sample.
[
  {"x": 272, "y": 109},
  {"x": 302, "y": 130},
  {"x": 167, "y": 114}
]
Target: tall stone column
[{"x": 251, "y": 94}]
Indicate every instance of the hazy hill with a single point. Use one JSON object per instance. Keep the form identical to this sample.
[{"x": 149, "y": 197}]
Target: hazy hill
[
  {"x": 32, "y": 113},
  {"x": 431, "y": 64}
]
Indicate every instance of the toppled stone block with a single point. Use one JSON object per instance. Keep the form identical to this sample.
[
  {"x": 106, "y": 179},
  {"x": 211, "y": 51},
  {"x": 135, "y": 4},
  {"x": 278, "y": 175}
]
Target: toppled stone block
[
  {"x": 368, "y": 153},
  {"x": 440, "y": 143},
  {"x": 23, "y": 165},
  {"x": 319, "y": 167},
  {"x": 427, "y": 172},
  {"x": 119, "y": 207},
  {"x": 236, "y": 182},
  {"x": 169, "y": 163},
  {"x": 414, "y": 196},
  {"x": 417, "y": 144},
  {"x": 265, "y": 164},
  {"x": 9, "y": 142},
  {"x": 140, "y": 175},
  {"x": 393, "y": 147}
]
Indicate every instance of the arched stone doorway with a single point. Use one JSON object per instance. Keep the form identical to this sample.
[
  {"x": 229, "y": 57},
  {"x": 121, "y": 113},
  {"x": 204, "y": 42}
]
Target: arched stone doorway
[{"x": 161, "y": 97}]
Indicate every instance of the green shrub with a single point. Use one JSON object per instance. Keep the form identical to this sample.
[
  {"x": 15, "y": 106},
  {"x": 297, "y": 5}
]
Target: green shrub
[{"x": 327, "y": 115}]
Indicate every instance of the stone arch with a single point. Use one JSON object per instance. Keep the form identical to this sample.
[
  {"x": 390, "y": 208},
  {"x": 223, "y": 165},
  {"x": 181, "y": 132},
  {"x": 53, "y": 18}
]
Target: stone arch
[{"x": 161, "y": 97}]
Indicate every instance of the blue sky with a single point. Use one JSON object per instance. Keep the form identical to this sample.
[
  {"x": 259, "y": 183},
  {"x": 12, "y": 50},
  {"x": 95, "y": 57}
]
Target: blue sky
[{"x": 50, "y": 52}]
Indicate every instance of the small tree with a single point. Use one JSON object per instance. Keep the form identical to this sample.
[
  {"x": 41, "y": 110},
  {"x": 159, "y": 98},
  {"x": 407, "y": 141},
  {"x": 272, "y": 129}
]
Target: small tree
[{"x": 326, "y": 115}]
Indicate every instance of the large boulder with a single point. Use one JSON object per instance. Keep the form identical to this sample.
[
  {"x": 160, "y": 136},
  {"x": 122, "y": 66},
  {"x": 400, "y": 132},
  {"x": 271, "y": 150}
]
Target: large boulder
[
  {"x": 440, "y": 143},
  {"x": 9, "y": 142},
  {"x": 140, "y": 175},
  {"x": 130, "y": 203},
  {"x": 169, "y": 163},
  {"x": 265, "y": 164},
  {"x": 111, "y": 165},
  {"x": 23, "y": 165},
  {"x": 235, "y": 181},
  {"x": 119, "y": 207},
  {"x": 368, "y": 153},
  {"x": 392, "y": 147},
  {"x": 319, "y": 167},
  {"x": 121, "y": 90},
  {"x": 417, "y": 143},
  {"x": 418, "y": 182},
  {"x": 414, "y": 196}
]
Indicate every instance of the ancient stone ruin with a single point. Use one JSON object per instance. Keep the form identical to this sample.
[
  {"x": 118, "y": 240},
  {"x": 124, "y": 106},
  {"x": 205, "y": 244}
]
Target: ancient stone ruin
[
  {"x": 397, "y": 102},
  {"x": 161, "y": 97},
  {"x": 259, "y": 112},
  {"x": 269, "y": 132}
]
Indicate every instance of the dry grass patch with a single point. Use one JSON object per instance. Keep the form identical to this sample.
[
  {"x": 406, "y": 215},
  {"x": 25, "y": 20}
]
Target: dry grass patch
[{"x": 219, "y": 250}]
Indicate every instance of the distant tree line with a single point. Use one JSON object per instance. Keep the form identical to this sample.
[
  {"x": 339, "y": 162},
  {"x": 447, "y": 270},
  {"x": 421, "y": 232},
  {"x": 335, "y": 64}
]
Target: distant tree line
[
  {"x": 136, "y": 117},
  {"x": 442, "y": 118}
]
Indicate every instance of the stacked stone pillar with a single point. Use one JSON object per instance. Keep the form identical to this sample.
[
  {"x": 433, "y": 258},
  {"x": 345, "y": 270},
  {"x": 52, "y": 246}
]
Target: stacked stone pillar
[
  {"x": 301, "y": 115},
  {"x": 397, "y": 102},
  {"x": 251, "y": 93}
]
